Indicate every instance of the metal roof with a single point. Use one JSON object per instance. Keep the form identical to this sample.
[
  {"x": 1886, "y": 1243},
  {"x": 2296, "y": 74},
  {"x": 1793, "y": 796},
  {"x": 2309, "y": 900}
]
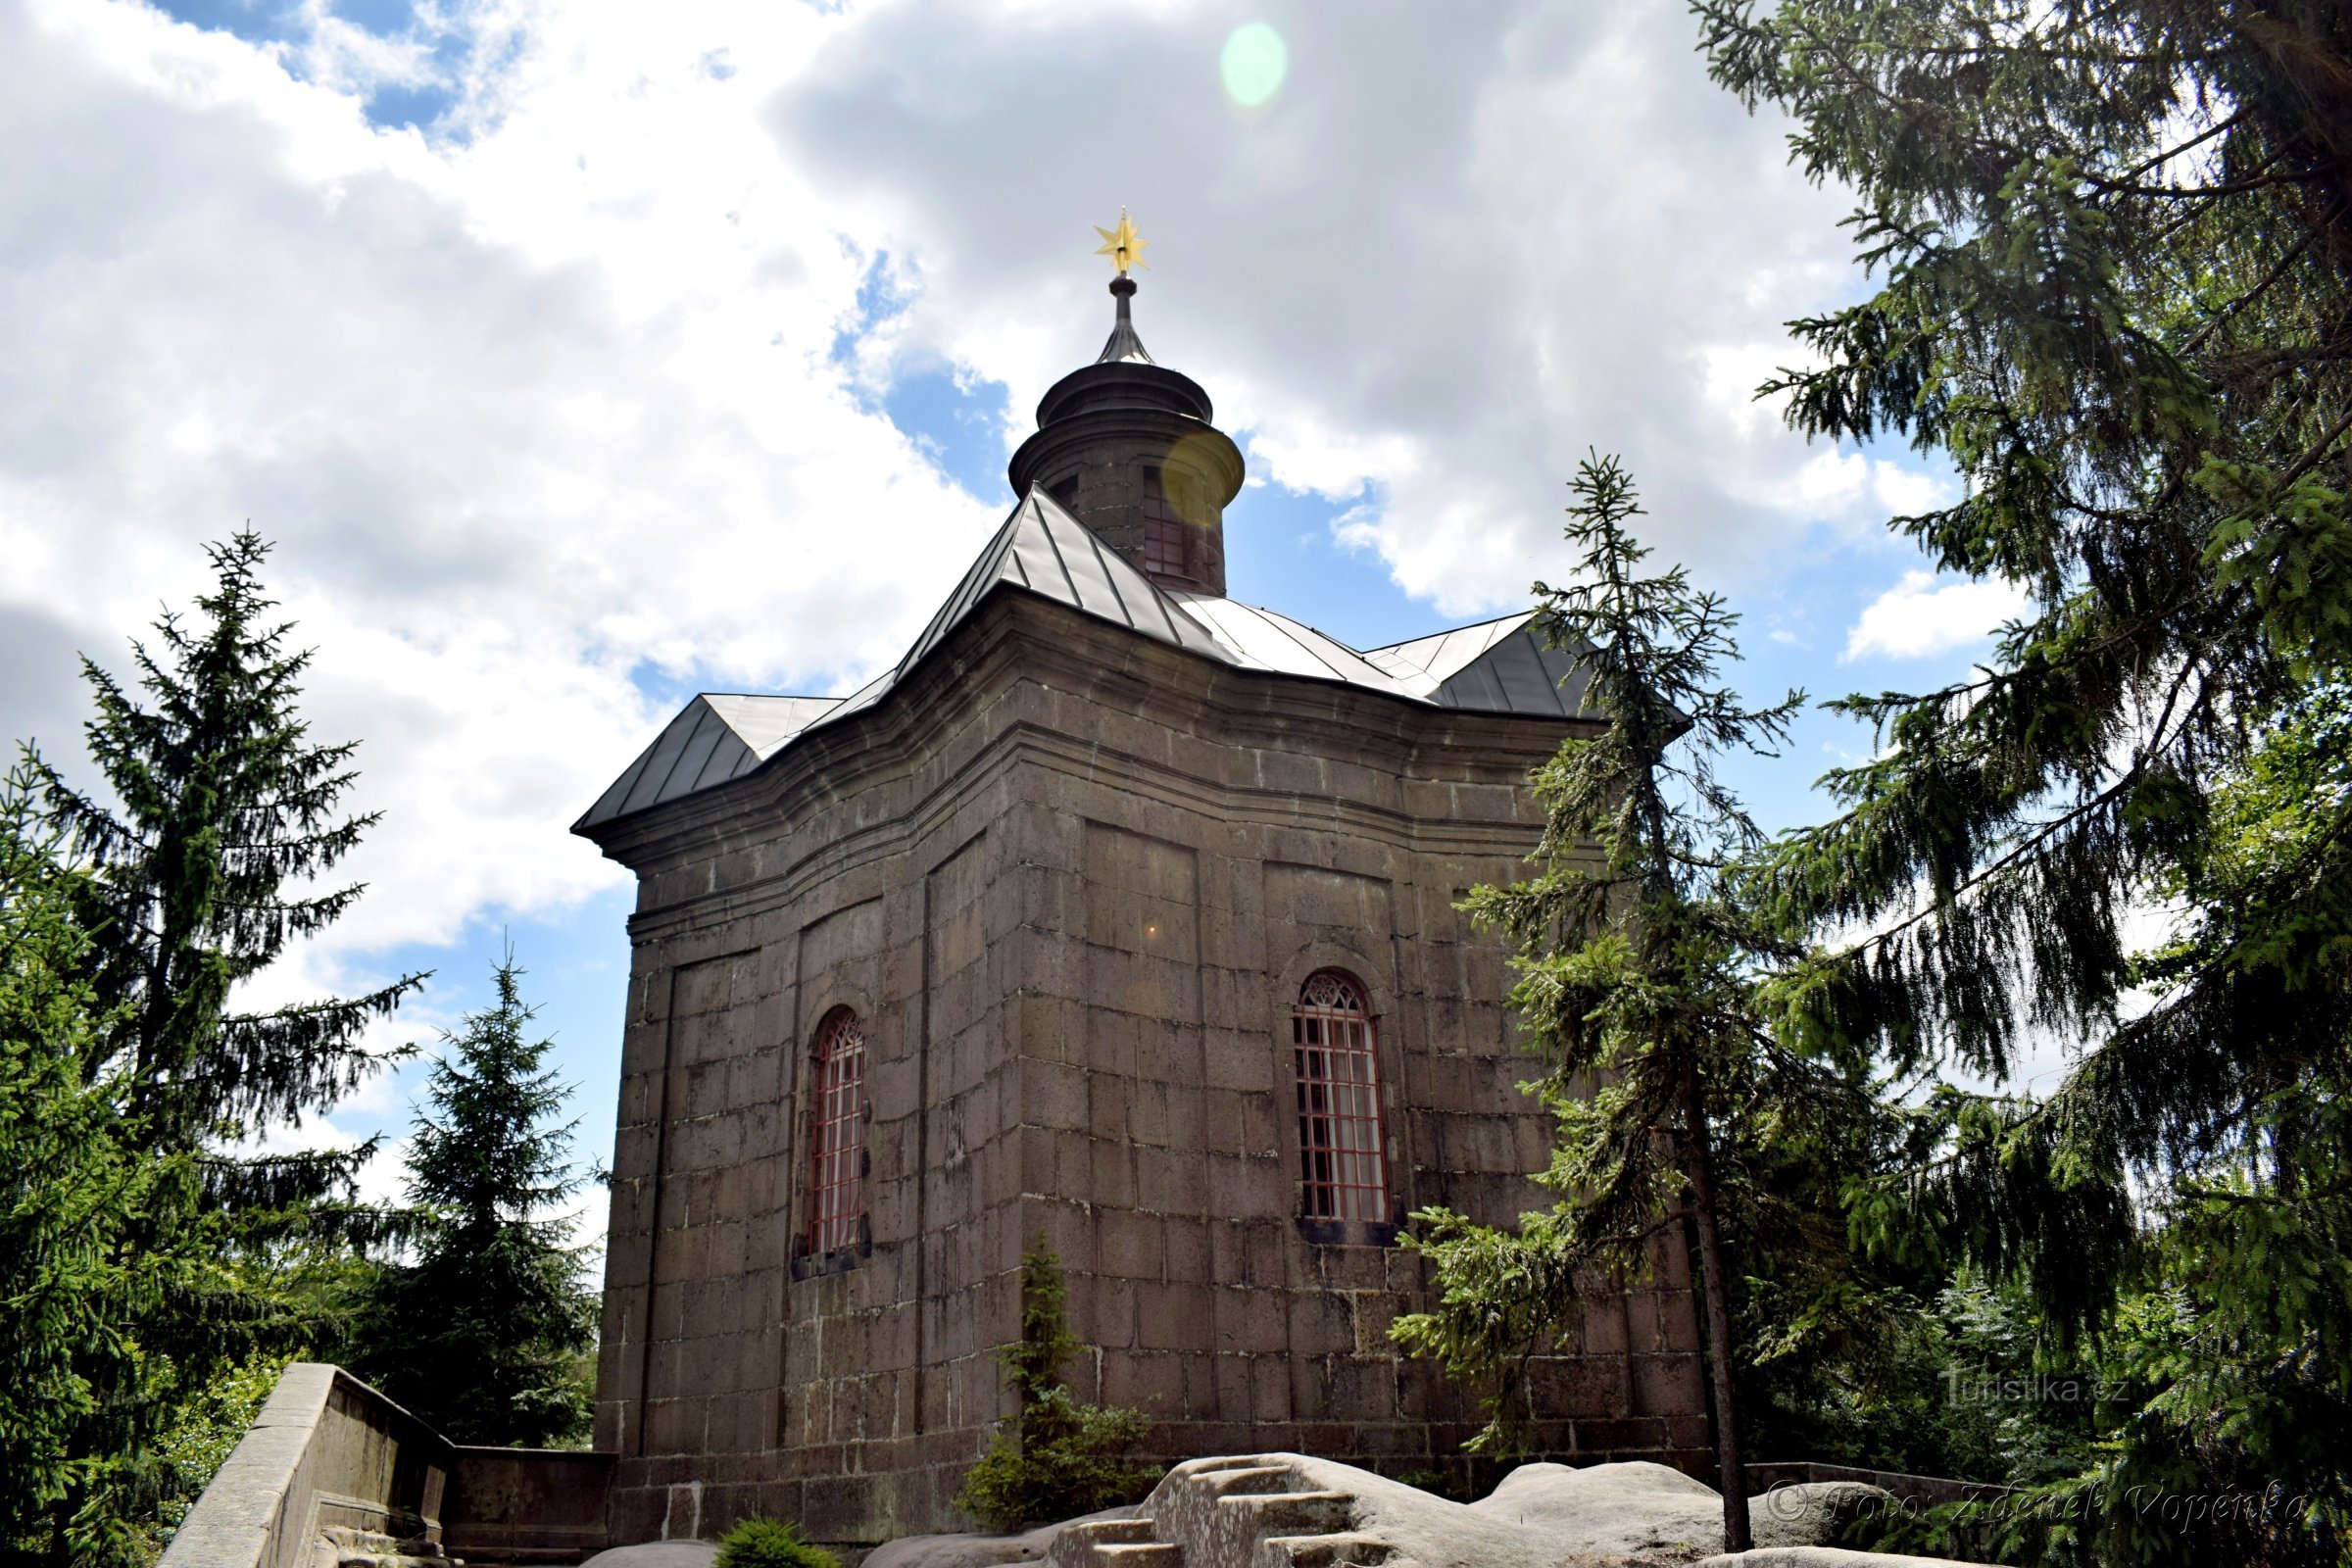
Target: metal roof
[
  {"x": 1496, "y": 667},
  {"x": 718, "y": 735},
  {"x": 1123, "y": 344}
]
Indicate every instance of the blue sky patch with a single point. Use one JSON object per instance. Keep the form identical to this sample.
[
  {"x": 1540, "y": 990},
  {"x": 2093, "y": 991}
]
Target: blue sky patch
[
  {"x": 577, "y": 964},
  {"x": 959, "y": 426},
  {"x": 881, "y": 296},
  {"x": 399, "y": 108},
  {"x": 254, "y": 21},
  {"x": 388, "y": 106}
]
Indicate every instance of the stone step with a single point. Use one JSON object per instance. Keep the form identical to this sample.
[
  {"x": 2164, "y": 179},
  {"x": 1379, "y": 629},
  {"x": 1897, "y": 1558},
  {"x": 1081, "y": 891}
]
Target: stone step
[
  {"x": 1140, "y": 1554},
  {"x": 1288, "y": 1513},
  {"x": 1242, "y": 1480},
  {"x": 1338, "y": 1549},
  {"x": 1081, "y": 1546},
  {"x": 348, "y": 1547}
]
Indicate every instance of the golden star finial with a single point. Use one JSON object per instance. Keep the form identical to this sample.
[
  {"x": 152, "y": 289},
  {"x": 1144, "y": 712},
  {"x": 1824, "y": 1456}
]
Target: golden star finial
[{"x": 1123, "y": 245}]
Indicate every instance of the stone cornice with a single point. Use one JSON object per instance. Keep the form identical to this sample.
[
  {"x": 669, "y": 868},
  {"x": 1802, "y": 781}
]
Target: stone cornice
[
  {"x": 1020, "y": 639},
  {"x": 1135, "y": 776}
]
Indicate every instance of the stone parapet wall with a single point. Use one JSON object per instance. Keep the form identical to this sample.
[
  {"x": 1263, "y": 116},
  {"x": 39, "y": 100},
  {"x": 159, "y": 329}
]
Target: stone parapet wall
[
  {"x": 1903, "y": 1487},
  {"x": 523, "y": 1507},
  {"x": 335, "y": 1468},
  {"x": 332, "y": 1460},
  {"x": 326, "y": 1453}
]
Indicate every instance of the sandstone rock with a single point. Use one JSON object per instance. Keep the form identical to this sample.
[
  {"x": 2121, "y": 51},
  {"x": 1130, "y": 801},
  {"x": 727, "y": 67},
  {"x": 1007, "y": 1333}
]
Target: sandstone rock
[
  {"x": 1814, "y": 1514},
  {"x": 1274, "y": 1509},
  {"x": 980, "y": 1552},
  {"x": 1219, "y": 1511},
  {"x": 1614, "y": 1510},
  {"x": 1825, "y": 1557},
  {"x": 658, "y": 1554}
]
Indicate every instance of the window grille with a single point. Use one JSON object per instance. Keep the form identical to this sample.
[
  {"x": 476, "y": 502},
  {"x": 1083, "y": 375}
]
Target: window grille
[
  {"x": 1343, "y": 1172},
  {"x": 1168, "y": 537},
  {"x": 837, "y": 1134}
]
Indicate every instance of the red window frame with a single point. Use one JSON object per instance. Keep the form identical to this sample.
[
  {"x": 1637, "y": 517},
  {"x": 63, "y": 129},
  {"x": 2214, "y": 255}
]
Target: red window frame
[
  {"x": 837, "y": 1134},
  {"x": 1343, "y": 1143}
]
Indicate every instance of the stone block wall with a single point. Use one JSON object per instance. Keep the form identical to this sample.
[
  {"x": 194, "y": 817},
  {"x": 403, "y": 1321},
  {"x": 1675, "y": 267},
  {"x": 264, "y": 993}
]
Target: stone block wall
[{"x": 1071, "y": 882}]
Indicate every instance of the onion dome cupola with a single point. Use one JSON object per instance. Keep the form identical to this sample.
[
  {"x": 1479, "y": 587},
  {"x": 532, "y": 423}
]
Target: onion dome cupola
[{"x": 1125, "y": 446}]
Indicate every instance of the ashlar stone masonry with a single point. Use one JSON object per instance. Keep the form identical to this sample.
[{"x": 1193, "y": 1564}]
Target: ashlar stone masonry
[{"x": 1117, "y": 910}]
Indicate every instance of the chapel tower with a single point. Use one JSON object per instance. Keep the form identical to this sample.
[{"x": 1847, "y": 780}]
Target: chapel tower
[{"x": 1125, "y": 445}]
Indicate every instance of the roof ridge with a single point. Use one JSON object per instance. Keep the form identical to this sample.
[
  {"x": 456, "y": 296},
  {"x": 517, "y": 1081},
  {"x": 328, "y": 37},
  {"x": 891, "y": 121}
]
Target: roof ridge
[
  {"x": 1171, "y": 610},
  {"x": 1448, "y": 631},
  {"x": 986, "y": 569},
  {"x": 1303, "y": 625},
  {"x": 1029, "y": 552},
  {"x": 777, "y": 697}
]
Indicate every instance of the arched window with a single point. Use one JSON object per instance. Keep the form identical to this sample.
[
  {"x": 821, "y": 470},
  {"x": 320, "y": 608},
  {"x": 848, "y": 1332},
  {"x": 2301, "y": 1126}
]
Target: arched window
[
  {"x": 1342, "y": 1158},
  {"x": 836, "y": 1135}
]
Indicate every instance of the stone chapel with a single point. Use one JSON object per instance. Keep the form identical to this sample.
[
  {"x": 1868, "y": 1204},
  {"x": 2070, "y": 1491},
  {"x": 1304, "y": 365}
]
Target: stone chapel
[{"x": 1118, "y": 910}]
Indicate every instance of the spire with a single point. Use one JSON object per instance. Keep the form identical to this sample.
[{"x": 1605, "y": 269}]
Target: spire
[
  {"x": 1125, "y": 446},
  {"x": 1125, "y": 248},
  {"x": 1123, "y": 344}
]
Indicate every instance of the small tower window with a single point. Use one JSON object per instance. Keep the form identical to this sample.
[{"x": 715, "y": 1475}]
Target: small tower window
[
  {"x": 1342, "y": 1158},
  {"x": 1168, "y": 537},
  {"x": 836, "y": 1135}
]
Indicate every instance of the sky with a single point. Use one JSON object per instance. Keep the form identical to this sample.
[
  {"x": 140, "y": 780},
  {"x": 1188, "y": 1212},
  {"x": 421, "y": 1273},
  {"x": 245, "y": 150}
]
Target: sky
[{"x": 578, "y": 357}]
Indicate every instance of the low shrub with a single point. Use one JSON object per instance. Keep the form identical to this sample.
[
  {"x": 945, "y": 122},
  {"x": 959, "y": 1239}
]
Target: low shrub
[
  {"x": 1059, "y": 1457},
  {"x": 757, "y": 1542}
]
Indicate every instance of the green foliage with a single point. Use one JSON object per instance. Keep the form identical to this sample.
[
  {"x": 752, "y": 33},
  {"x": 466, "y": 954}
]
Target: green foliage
[
  {"x": 761, "y": 1543},
  {"x": 130, "y": 1078},
  {"x": 203, "y": 1432},
  {"x": 2115, "y": 245},
  {"x": 1636, "y": 963},
  {"x": 70, "y": 1189},
  {"x": 1062, "y": 1457},
  {"x": 481, "y": 1332},
  {"x": 2116, "y": 264},
  {"x": 227, "y": 812},
  {"x": 1946, "y": 1400}
]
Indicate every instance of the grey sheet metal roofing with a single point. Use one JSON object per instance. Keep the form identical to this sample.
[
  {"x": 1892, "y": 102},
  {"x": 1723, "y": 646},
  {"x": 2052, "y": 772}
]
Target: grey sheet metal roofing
[{"x": 1496, "y": 667}]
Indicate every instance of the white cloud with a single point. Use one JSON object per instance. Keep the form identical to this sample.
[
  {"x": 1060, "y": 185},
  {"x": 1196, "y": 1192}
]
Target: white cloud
[
  {"x": 1452, "y": 257},
  {"x": 584, "y": 383},
  {"x": 561, "y": 393},
  {"x": 504, "y": 470},
  {"x": 1904, "y": 492},
  {"x": 1916, "y": 620}
]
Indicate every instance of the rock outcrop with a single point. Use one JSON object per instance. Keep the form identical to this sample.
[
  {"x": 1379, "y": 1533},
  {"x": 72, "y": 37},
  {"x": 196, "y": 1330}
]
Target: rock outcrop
[
  {"x": 1288, "y": 1510},
  {"x": 1823, "y": 1557}
]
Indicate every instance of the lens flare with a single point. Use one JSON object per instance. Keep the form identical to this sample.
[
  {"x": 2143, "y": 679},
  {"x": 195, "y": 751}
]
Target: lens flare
[{"x": 1254, "y": 63}]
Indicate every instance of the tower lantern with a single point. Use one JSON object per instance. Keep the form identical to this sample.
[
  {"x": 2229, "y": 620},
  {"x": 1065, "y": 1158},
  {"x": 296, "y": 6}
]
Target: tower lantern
[{"x": 1125, "y": 445}]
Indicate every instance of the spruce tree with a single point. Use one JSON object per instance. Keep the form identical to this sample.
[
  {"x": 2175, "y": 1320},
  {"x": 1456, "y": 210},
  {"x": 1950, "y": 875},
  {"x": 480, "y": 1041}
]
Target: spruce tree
[
  {"x": 223, "y": 813},
  {"x": 1058, "y": 1456},
  {"x": 191, "y": 874},
  {"x": 70, "y": 1189},
  {"x": 2117, "y": 253},
  {"x": 1635, "y": 971},
  {"x": 2115, "y": 248},
  {"x": 481, "y": 1332}
]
